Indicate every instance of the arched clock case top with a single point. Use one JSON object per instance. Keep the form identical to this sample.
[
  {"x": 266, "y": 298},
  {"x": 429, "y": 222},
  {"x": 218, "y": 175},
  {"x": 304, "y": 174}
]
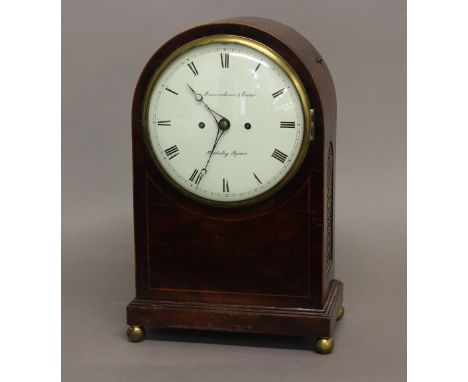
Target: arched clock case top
[{"x": 256, "y": 267}]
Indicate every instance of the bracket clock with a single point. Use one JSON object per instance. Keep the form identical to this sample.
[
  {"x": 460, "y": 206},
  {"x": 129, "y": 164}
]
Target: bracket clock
[{"x": 233, "y": 131}]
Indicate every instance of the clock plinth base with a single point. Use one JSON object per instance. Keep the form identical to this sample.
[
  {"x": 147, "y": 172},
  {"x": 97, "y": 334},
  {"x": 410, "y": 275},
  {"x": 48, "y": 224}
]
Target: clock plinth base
[{"x": 318, "y": 323}]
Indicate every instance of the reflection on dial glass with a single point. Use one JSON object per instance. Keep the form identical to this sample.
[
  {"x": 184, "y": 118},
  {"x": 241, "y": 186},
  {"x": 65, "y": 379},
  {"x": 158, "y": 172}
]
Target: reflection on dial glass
[{"x": 225, "y": 122}]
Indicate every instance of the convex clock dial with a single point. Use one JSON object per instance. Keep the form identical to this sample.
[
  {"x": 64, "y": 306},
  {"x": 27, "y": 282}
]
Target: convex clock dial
[{"x": 227, "y": 121}]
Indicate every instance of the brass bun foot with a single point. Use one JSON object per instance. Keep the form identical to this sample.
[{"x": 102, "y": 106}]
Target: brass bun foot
[
  {"x": 340, "y": 314},
  {"x": 324, "y": 345},
  {"x": 135, "y": 333}
]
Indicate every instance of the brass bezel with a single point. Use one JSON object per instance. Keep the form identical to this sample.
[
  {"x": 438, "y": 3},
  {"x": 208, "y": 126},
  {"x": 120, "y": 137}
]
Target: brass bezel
[{"x": 283, "y": 64}]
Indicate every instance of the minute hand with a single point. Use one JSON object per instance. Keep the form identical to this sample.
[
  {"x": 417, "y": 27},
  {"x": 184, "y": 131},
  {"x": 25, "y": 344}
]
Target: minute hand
[{"x": 204, "y": 170}]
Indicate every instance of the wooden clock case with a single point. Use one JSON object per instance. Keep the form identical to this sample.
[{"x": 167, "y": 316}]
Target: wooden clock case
[{"x": 263, "y": 268}]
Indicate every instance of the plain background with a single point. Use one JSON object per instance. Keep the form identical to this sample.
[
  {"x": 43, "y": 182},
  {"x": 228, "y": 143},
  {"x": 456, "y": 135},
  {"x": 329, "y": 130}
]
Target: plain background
[{"x": 105, "y": 45}]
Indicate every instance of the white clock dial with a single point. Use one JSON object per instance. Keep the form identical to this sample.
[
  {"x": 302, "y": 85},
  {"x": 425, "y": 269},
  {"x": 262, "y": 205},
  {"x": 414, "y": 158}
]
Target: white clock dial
[{"x": 225, "y": 122}]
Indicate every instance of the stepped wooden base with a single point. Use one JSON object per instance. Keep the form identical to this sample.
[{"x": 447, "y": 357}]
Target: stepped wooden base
[{"x": 236, "y": 318}]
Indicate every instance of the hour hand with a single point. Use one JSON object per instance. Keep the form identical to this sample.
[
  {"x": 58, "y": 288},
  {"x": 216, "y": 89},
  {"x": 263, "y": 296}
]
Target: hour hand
[
  {"x": 222, "y": 122},
  {"x": 198, "y": 96}
]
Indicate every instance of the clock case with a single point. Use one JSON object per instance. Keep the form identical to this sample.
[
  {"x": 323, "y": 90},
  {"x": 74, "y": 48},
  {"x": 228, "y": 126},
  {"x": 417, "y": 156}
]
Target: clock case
[{"x": 266, "y": 267}]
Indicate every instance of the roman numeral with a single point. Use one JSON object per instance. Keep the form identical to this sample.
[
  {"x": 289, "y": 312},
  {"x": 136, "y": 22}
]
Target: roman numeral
[
  {"x": 164, "y": 123},
  {"x": 257, "y": 178},
  {"x": 279, "y": 155},
  {"x": 224, "y": 60},
  {"x": 193, "y": 68},
  {"x": 172, "y": 91},
  {"x": 257, "y": 67},
  {"x": 195, "y": 177},
  {"x": 172, "y": 152},
  {"x": 287, "y": 125},
  {"x": 225, "y": 185},
  {"x": 278, "y": 93}
]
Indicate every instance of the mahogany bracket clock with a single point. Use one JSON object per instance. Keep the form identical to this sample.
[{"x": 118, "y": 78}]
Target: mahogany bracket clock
[{"x": 233, "y": 130}]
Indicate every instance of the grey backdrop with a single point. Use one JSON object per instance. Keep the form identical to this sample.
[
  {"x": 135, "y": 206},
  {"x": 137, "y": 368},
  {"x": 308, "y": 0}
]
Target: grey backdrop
[{"x": 105, "y": 45}]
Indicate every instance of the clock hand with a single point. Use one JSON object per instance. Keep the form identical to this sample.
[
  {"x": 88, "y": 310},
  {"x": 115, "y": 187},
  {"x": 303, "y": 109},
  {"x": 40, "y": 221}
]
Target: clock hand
[
  {"x": 222, "y": 122},
  {"x": 204, "y": 170},
  {"x": 198, "y": 96}
]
